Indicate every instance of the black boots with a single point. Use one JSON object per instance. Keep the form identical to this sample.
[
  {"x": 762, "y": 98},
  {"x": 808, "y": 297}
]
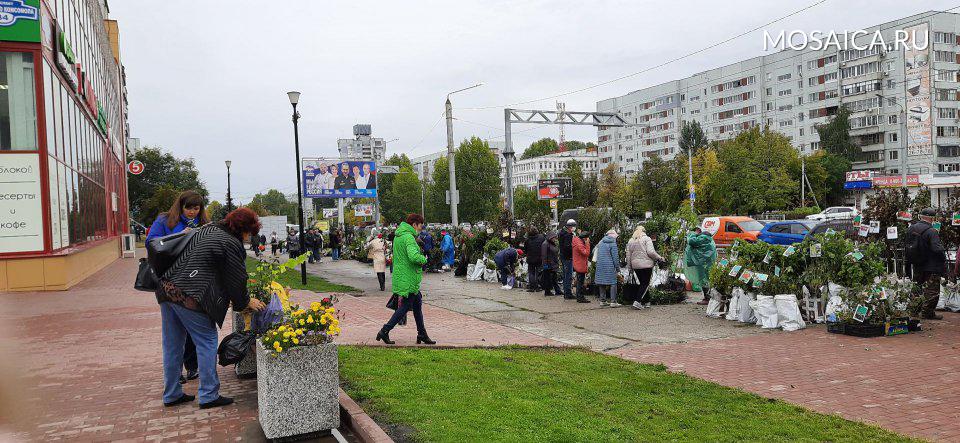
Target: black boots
[
  {"x": 423, "y": 338},
  {"x": 384, "y": 336}
]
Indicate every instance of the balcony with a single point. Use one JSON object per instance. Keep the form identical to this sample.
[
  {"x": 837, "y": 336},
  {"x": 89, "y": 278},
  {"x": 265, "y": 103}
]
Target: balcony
[{"x": 948, "y": 151}]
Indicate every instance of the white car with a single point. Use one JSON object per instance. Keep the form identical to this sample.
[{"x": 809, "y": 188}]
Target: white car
[{"x": 834, "y": 213}]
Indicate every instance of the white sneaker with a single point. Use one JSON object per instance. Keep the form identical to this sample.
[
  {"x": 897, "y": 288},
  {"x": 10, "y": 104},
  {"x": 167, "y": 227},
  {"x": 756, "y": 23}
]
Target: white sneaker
[
  {"x": 637, "y": 305},
  {"x": 505, "y": 287},
  {"x": 614, "y": 304},
  {"x": 646, "y": 305},
  {"x": 604, "y": 304}
]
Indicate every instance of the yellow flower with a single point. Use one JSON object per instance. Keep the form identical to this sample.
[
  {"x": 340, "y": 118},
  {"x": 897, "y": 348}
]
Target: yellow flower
[
  {"x": 279, "y": 349},
  {"x": 303, "y": 322},
  {"x": 276, "y": 344},
  {"x": 281, "y": 328},
  {"x": 296, "y": 342},
  {"x": 309, "y": 320},
  {"x": 286, "y": 335}
]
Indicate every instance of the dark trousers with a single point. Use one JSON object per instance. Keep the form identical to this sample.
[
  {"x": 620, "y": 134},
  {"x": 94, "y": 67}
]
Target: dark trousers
[
  {"x": 315, "y": 254},
  {"x": 581, "y": 278},
  {"x": 503, "y": 273},
  {"x": 930, "y": 293},
  {"x": 533, "y": 275},
  {"x": 567, "y": 277},
  {"x": 382, "y": 278},
  {"x": 190, "y": 355},
  {"x": 643, "y": 279},
  {"x": 550, "y": 284},
  {"x": 412, "y": 302}
]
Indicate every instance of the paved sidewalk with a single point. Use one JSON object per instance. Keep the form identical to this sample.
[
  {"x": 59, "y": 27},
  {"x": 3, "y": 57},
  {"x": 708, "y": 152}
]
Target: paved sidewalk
[{"x": 89, "y": 361}]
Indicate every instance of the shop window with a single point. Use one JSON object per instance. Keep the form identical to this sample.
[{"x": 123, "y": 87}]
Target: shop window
[{"x": 18, "y": 111}]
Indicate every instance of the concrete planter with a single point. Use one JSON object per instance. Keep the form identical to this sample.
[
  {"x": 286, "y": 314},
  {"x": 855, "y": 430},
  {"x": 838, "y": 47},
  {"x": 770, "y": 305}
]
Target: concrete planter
[
  {"x": 298, "y": 390},
  {"x": 246, "y": 368}
]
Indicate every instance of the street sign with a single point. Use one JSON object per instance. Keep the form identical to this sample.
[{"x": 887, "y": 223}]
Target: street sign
[
  {"x": 135, "y": 167},
  {"x": 553, "y": 203},
  {"x": 553, "y": 188},
  {"x": 388, "y": 169}
]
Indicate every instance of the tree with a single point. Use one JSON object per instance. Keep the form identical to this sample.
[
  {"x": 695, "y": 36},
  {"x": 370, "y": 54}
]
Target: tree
[
  {"x": 692, "y": 137},
  {"x": 706, "y": 165},
  {"x": 160, "y": 201},
  {"x": 161, "y": 171},
  {"x": 438, "y": 211},
  {"x": 584, "y": 187},
  {"x": 540, "y": 147},
  {"x": 574, "y": 145},
  {"x": 215, "y": 211},
  {"x": 478, "y": 182},
  {"x": 835, "y": 135},
  {"x": 826, "y": 174},
  {"x": 659, "y": 186},
  {"x": 529, "y": 208},
  {"x": 612, "y": 190},
  {"x": 755, "y": 173},
  {"x": 274, "y": 202},
  {"x": 404, "y": 197},
  {"x": 257, "y": 207}
]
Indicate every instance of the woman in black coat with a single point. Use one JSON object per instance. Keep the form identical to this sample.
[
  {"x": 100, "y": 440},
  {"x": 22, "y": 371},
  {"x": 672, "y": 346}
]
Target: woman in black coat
[{"x": 194, "y": 295}]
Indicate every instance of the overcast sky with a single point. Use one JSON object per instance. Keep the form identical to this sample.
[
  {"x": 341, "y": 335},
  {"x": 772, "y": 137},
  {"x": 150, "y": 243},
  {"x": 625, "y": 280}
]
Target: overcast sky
[{"x": 208, "y": 79}]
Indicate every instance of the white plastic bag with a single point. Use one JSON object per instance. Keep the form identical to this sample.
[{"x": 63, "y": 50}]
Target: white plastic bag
[
  {"x": 788, "y": 312},
  {"x": 490, "y": 275},
  {"x": 766, "y": 311},
  {"x": 659, "y": 277},
  {"x": 477, "y": 273},
  {"x": 835, "y": 304},
  {"x": 733, "y": 312},
  {"x": 952, "y": 302},
  {"x": 470, "y": 269},
  {"x": 745, "y": 312}
]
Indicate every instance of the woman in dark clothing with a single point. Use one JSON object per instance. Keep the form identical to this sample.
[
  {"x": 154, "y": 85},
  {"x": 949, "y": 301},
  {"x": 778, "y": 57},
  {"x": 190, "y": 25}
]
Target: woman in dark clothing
[
  {"x": 194, "y": 295},
  {"x": 186, "y": 213},
  {"x": 550, "y": 254}
]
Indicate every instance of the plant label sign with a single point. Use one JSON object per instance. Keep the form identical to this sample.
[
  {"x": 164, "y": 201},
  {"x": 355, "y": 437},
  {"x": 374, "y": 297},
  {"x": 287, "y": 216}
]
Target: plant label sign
[
  {"x": 723, "y": 263},
  {"x": 956, "y": 219},
  {"x": 736, "y": 270},
  {"x": 904, "y": 216},
  {"x": 759, "y": 279},
  {"x": 789, "y": 251},
  {"x": 766, "y": 258},
  {"x": 816, "y": 250},
  {"x": 856, "y": 221},
  {"x": 860, "y": 314},
  {"x": 892, "y": 233},
  {"x": 857, "y": 255},
  {"x": 746, "y": 276},
  {"x": 864, "y": 230},
  {"x": 776, "y": 271},
  {"x": 937, "y": 225},
  {"x": 875, "y": 227}
]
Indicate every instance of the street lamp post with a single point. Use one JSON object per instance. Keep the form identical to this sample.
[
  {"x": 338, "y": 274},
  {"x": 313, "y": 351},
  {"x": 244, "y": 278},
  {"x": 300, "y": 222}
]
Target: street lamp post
[
  {"x": 229, "y": 198},
  {"x": 294, "y": 97},
  {"x": 451, "y": 163}
]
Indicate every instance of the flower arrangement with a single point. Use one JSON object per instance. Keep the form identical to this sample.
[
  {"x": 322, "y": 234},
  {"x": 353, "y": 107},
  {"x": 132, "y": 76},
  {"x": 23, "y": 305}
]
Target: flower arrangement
[
  {"x": 261, "y": 283},
  {"x": 315, "y": 325}
]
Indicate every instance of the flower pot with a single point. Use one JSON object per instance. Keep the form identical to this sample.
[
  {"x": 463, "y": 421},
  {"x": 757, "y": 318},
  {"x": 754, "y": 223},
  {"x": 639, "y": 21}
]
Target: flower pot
[
  {"x": 298, "y": 390},
  {"x": 246, "y": 368}
]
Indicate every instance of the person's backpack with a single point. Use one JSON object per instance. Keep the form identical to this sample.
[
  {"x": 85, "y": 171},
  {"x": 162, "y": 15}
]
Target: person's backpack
[
  {"x": 914, "y": 249},
  {"x": 162, "y": 252}
]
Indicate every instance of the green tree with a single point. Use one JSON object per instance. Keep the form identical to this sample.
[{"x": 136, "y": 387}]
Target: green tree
[
  {"x": 160, "y": 201},
  {"x": 404, "y": 196},
  {"x": 692, "y": 137},
  {"x": 612, "y": 192},
  {"x": 755, "y": 175},
  {"x": 659, "y": 186},
  {"x": 274, "y": 202},
  {"x": 540, "y": 147},
  {"x": 835, "y": 135},
  {"x": 478, "y": 182},
  {"x": 574, "y": 145},
  {"x": 528, "y": 208},
  {"x": 215, "y": 211},
  {"x": 161, "y": 170},
  {"x": 585, "y": 187},
  {"x": 438, "y": 211},
  {"x": 826, "y": 174},
  {"x": 257, "y": 207}
]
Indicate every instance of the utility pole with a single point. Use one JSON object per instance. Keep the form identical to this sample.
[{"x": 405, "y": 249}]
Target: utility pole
[
  {"x": 508, "y": 155},
  {"x": 451, "y": 157},
  {"x": 803, "y": 180},
  {"x": 294, "y": 99},
  {"x": 693, "y": 193}
]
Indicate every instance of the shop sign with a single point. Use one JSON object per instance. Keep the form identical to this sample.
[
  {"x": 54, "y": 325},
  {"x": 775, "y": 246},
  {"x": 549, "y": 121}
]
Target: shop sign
[
  {"x": 855, "y": 176},
  {"x": 895, "y": 181},
  {"x": 21, "y": 207},
  {"x": 135, "y": 167},
  {"x": 65, "y": 60},
  {"x": 64, "y": 46},
  {"x": 20, "y": 20},
  {"x": 101, "y": 119}
]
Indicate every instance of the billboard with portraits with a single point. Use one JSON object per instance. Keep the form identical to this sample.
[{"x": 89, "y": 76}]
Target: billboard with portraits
[{"x": 335, "y": 178}]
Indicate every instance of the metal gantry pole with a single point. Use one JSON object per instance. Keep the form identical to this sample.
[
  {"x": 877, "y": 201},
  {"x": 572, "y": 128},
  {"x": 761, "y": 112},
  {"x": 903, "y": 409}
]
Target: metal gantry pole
[
  {"x": 451, "y": 165},
  {"x": 903, "y": 144},
  {"x": 296, "y": 144},
  {"x": 508, "y": 155}
]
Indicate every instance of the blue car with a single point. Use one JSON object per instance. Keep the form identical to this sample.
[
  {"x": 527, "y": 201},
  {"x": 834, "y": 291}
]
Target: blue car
[{"x": 786, "y": 232}]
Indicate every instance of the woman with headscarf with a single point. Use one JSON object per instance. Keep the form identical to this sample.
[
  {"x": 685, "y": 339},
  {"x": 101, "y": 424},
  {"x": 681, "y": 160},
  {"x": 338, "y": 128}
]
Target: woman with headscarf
[{"x": 608, "y": 265}]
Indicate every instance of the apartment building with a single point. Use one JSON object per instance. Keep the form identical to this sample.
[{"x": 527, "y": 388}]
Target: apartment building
[
  {"x": 363, "y": 146},
  {"x": 527, "y": 172},
  {"x": 793, "y": 90},
  {"x": 425, "y": 164}
]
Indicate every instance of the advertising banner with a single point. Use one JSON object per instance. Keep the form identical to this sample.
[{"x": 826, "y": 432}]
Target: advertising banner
[
  {"x": 895, "y": 181},
  {"x": 551, "y": 188},
  {"x": 855, "y": 176},
  {"x": 335, "y": 178},
  {"x": 917, "y": 85},
  {"x": 21, "y": 205},
  {"x": 363, "y": 210},
  {"x": 329, "y": 212}
]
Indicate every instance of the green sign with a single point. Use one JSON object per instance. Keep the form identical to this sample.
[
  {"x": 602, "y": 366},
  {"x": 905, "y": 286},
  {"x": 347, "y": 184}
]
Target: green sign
[
  {"x": 65, "y": 47},
  {"x": 20, "y": 21},
  {"x": 101, "y": 119}
]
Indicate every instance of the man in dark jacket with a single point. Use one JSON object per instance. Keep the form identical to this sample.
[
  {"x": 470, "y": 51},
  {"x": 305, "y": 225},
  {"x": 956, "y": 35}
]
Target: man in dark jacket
[
  {"x": 928, "y": 260},
  {"x": 255, "y": 244},
  {"x": 566, "y": 255},
  {"x": 534, "y": 261},
  {"x": 334, "y": 244},
  {"x": 506, "y": 261},
  {"x": 550, "y": 254},
  {"x": 426, "y": 240}
]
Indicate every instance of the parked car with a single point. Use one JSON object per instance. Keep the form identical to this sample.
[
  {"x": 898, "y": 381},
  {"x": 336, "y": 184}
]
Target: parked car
[
  {"x": 834, "y": 213},
  {"x": 786, "y": 232},
  {"x": 726, "y": 230},
  {"x": 842, "y": 225}
]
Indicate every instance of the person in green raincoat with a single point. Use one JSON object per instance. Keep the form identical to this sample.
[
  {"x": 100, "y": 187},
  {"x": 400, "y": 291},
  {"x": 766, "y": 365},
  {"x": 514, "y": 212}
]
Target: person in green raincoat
[
  {"x": 408, "y": 261},
  {"x": 699, "y": 257}
]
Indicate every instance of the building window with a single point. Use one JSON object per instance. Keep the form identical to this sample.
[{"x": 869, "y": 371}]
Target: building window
[
  {"x": 18, "y": 111},
  {"x": 892, "y": 137}
]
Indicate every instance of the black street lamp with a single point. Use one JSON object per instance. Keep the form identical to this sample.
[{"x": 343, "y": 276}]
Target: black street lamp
[
  {"x": 294, "y": 98},
  {"x": 229, "y": 198}
]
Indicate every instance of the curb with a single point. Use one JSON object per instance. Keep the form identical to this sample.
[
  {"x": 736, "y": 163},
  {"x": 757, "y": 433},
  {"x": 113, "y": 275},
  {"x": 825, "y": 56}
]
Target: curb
[{"x": 352, "y": 415}]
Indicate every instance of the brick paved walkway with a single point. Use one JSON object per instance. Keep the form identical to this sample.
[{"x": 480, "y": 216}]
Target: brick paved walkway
[
  {"x": 909, "y": 384},
  {"x": 90, "y": 361}
]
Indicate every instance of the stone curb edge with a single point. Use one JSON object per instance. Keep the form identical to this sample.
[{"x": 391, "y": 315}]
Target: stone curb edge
[{"x": 352, "y": 415}]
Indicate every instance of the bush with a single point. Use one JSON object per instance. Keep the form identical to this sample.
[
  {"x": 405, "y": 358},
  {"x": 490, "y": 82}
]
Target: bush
[{"x": 801, "y": 212}]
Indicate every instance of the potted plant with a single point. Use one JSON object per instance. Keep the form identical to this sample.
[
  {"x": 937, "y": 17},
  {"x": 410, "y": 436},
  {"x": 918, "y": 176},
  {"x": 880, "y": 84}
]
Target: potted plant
[{"x": 298, "y": 379}]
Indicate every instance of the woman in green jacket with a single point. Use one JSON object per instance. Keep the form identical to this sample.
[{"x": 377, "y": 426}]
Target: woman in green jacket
[
  {"x": 700, "y": 253},
  {"x": 408, "y": 263}
]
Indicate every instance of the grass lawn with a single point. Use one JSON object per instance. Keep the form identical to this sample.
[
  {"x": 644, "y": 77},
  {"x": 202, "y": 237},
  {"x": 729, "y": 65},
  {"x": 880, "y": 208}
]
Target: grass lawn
[
  {"x": 525, "y": 395},
  {"x": 314, "y": 283}
]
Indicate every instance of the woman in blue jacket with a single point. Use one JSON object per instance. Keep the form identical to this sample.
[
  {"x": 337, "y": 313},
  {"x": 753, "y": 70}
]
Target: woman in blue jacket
[{"x": 187, "y": 212}]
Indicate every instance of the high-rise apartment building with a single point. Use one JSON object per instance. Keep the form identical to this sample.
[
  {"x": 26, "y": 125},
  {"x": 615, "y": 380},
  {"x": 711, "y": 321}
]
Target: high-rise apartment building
[
  {"x": 363, "y": 146},
  {"x": 793, "y": 90}
]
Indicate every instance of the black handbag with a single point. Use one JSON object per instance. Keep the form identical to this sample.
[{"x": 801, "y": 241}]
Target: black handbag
[
  {"x": 162, "y": 252},
  {"x": 146, "y": 278},
  {"x": 234, "y": 347},
  {"x": 394, "y": 302},
  {"x": 631, "y": 288}
]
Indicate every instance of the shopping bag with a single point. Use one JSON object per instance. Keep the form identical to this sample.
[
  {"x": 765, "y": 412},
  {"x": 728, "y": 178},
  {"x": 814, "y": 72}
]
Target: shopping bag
[
  {"x": 511, "y": 281},
  {"x": 788, "y": 312},
  {"x": 234, "y": 347},
  {"x": 146, "y": 278}
]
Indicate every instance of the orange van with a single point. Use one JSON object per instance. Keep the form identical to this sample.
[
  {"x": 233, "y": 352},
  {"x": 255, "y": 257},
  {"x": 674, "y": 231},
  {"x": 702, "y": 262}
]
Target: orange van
[{"x": 727, "y": 229}]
